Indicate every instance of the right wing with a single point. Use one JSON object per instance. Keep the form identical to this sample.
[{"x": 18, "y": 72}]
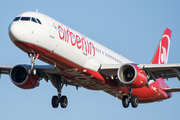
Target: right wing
[
  {"x": 164, "y": 71},
  {"x": 154, "y": 71}
]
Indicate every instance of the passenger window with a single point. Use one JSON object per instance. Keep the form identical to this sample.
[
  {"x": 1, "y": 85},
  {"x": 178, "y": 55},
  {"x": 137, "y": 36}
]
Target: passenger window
[
  {"x": 25, "y": 18},
  {"x": 16, "y": 19},
  {"x": 38, "y": 21},
  {"x": 33, "y": 19}
]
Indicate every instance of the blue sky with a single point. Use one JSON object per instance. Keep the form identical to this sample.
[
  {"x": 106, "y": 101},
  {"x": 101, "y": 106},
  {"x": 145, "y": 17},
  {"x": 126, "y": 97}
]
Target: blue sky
[{"x": 131, "y": 28}]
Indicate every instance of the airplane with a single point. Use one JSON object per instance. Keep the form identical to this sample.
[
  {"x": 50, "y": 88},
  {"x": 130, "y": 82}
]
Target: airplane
[{"x": 76, "y": 60}]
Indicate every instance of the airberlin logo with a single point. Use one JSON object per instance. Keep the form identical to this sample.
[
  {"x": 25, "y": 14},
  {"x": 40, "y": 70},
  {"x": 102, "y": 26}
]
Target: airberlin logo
[
  {"x": 163, "y": 50},
  {"x": 163, "y": 56},
  {"x": 75, "y": 40}
]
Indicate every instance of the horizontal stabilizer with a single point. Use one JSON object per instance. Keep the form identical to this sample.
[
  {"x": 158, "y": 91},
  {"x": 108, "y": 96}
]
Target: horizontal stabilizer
[{"x": 172, "y": 89}]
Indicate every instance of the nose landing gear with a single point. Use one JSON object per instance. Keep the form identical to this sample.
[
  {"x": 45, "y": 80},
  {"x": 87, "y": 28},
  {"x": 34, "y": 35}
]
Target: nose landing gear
[{"x": 33, "y": 58}]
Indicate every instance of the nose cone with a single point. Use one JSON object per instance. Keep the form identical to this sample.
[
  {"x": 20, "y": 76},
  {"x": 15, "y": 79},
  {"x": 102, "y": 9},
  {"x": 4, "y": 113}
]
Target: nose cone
[{"x": 15, "y": 31}]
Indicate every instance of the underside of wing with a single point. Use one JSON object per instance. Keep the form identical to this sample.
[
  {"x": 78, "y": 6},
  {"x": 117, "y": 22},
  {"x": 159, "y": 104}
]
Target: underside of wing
[
  {"x": 46, "y": 72},
  {"x": 153, "y": 71},
  {"x": 5, "y": 69},
  {"x": 164, "y": 71},
  {"x": 109, "y": 69}
]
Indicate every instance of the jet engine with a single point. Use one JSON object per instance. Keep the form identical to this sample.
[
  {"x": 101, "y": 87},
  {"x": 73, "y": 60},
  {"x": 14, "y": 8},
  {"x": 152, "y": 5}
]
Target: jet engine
[
  {"x": 132, "y": 76},
  {"x": 20, "y": 78}
]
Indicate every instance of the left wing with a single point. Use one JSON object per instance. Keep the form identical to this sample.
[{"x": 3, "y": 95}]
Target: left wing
[
  {"x": 5, "y": 69},
  {"x": 153, "y": 71},
  {"x": 44, "y": 71}
]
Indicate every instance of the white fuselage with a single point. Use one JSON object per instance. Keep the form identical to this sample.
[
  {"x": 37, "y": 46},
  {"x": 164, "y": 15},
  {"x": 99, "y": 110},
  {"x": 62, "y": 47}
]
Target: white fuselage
[{"x": 63, "y": 41}]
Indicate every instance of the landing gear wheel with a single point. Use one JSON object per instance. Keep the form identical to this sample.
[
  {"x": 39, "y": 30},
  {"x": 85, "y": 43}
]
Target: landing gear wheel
[
  {"x": 55, "y": 101},
  {"x": 125, "y": 101},
  {"x": 63, "y": 101},
  {"x": 29, "y": 71},
  {"x": 33, "y": 72},
  {"x": 134, "y": 101}
]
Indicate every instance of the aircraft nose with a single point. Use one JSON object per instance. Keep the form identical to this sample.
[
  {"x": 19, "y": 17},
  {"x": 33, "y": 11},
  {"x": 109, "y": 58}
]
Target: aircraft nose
[{"x": 15, "y": 31}]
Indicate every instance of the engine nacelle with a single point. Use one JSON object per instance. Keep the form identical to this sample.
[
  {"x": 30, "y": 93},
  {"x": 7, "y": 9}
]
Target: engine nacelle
[
  {"x": 21, "y": 79},
  {"x": 131, "y": 76}
]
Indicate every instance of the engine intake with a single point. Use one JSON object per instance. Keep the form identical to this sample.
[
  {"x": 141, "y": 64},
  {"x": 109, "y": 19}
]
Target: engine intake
[
  {"x": 21, "y": 79},
  {"x": 131, "y": 76}
]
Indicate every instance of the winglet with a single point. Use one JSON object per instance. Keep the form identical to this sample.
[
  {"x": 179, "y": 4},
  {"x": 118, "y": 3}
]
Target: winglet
[{"x": 161, "y": 55}]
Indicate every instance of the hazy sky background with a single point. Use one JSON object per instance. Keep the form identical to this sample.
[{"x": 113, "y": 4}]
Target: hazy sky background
[{"x": 128, "y": 27}]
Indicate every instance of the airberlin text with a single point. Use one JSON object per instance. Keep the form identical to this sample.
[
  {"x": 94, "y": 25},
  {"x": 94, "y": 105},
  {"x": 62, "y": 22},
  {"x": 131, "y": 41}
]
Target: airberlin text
[{"x": 75, "y": 40}]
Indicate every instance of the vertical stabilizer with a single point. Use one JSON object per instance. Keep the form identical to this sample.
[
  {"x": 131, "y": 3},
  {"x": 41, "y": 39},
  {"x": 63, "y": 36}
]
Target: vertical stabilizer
[{"x": 161, "y": 54}]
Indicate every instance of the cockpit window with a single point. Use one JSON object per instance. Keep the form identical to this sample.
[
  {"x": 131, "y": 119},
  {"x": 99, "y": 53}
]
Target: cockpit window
[
  {"x": 16, "y": 19},
  {"x": 38, "y": 21},
  {"x": 25, "y": 18},
  {"x": 33, "y": 19}
]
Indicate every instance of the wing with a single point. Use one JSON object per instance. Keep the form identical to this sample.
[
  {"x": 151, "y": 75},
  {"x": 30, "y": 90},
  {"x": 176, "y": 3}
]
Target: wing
[
  {"x": 153, "y": 71},
  {"x": 164, "y": 71},
  {"x": 5, "y": 69},
  {"x": 109, "y": 70},
  {"x": 47, "y": 72}
]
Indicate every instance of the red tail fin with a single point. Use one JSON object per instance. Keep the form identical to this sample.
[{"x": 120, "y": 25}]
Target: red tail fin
[{"x": 161, "y": 55}]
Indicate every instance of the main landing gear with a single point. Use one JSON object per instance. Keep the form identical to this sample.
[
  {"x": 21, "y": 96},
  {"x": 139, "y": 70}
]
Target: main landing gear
[
  {"x": 62, "y": 100},
  {"x": 128, "y": 98},
  {"x": 57, "y": 82}
]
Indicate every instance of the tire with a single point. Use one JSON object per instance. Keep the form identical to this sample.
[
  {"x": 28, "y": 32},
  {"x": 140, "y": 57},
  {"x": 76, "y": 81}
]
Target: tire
[
  {"x": 63, "y": 101},
  {"x": 33, "y": 72},
  {"x": 55, "y": 102},
  {"x": 125, "y": 101},
  {"x": 134, "y": 101},
  {"x": 29, "y": 71}
]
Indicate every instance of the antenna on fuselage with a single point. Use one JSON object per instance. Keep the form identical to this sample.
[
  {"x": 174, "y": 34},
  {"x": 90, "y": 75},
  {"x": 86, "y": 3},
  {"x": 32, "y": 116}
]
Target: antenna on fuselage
[{"x": 37, "y": 10}]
